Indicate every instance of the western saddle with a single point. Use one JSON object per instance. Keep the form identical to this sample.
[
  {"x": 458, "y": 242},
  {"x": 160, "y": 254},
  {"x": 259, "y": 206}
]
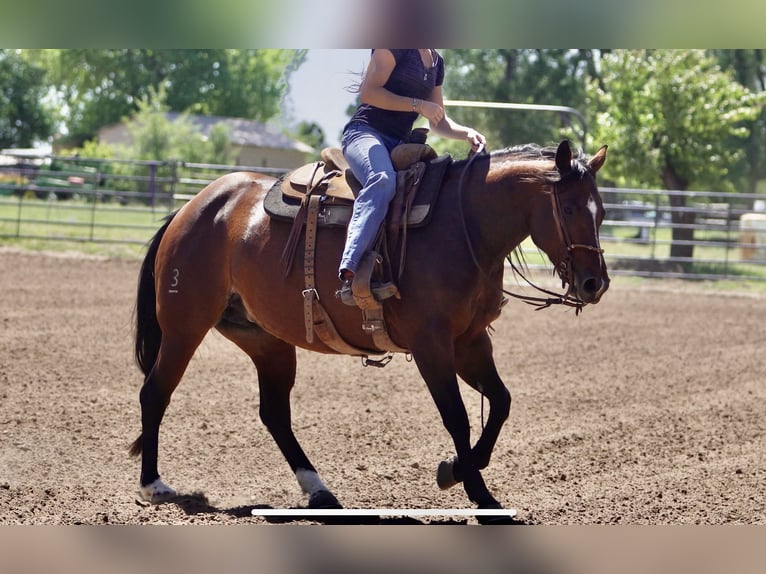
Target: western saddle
[{"x": 322, "y": 194}]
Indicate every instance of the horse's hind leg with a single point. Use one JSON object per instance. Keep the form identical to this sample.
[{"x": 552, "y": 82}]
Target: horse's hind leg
[
  {"x": 275, "y": 362},
  {"x": 174, "y": 356}
]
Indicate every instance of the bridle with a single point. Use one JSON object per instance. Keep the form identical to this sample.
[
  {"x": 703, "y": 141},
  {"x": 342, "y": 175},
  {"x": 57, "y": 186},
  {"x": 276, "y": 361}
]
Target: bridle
[{"x": 564, "y": 267}]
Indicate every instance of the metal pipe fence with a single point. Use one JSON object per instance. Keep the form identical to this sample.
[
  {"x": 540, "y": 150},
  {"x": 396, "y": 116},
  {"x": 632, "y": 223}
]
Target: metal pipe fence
[
  {"x": 55, "y": 198},
  {"x": 75, "y": 199},
  {"x": 639, "y": 234}
]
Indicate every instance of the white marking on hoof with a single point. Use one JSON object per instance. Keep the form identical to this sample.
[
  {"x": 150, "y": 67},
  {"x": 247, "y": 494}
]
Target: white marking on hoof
[
  {"x": 309, "y": 481},
  {"x": 156, "y": 491},
  {"x": 445, "y": 475}
]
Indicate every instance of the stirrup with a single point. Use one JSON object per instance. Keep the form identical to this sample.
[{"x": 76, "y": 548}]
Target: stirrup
[
  {"x": 383, "y": 291},
  {"x": 345, "y": 294}
]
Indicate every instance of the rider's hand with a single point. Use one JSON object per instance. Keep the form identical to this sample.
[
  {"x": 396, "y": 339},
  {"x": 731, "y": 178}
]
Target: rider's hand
[
  {"x": 476, "y": 139},
  {"x": 434, "y": 113}
]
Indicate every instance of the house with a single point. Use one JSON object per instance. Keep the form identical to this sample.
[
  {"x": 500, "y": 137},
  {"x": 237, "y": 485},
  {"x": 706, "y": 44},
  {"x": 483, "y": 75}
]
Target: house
[{"x": 253, "y": 144}]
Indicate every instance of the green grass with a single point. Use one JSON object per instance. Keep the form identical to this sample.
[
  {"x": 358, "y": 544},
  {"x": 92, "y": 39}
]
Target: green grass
[{"x": 77, "y": 225}]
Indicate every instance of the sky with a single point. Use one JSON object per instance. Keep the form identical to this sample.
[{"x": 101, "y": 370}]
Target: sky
[{"x": 318, "y": 89}]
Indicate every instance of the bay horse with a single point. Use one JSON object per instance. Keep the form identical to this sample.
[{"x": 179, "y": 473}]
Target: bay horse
[{"x": 215, "y": 263}]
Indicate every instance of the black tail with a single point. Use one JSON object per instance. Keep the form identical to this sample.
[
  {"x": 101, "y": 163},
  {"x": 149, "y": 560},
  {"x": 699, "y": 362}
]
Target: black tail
[{"x": 147, "y": 330}]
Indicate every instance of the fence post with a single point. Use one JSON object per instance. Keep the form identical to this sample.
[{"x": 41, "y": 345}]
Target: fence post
[
  {"x": 18, "y": 214},
  {"x": 152, "y": 182},
  {"x": 93, "y": 215},
  {"x": 656, "y": 224},
  {"x": 728, "y": 241},
  {"x": 173, "y": 182}
]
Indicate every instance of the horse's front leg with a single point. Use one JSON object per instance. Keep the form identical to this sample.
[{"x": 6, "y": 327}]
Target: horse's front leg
[
  {"x": 434, "y": 356},
  {"x": 476, "y": 366}
]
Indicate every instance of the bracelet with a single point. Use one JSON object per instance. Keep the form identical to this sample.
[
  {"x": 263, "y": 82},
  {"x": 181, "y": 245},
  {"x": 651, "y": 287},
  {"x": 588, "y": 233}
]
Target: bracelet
[{"x": 415, "y": 104}]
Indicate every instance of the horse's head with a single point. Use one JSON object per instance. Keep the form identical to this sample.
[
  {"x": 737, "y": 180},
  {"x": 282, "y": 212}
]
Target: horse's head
[{"x": 568, "y": 229}]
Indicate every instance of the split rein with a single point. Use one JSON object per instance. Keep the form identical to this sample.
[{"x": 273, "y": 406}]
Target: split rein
[{"x": 563, "y": 269}]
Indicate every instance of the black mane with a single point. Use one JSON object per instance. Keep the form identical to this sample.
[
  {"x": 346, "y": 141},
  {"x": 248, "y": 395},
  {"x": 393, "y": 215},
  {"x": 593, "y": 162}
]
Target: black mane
[{"x": 532, "y": 152}]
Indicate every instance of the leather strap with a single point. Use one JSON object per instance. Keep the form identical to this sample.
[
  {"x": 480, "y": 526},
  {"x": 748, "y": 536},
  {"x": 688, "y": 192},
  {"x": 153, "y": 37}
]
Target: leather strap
[
  {"x": 374, "y": 324},
  {"x": 315, "y": 317},
  {"x": 310, "y": 294},
  {"x": 373, "y": 321},
  {"x": 416, "y": 175},
  {"x": 325, "y": 329}
]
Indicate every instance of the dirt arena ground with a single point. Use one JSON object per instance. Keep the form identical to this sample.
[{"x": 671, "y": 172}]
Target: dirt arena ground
[{"x": 646, "y": 409}]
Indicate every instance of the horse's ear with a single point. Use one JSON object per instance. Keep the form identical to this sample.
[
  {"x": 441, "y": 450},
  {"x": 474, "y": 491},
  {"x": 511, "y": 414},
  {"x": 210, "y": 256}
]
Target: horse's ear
[
  {"x": 598, "y": 160},
  {"x": 564, "y": 157}
]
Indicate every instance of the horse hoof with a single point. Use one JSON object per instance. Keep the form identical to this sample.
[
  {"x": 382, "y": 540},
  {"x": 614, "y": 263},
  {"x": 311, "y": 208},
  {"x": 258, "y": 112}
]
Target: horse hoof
[
  {"x": 503, "y": 516},
  {"x": 445, "y": 473},
  {"x": 323, "y": 499},
  {"x": 496, "y": 520},
  {"x": 156, "y": 492}
]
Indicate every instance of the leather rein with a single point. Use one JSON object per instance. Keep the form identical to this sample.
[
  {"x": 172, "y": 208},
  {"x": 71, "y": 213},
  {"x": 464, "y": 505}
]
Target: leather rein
[{"x": 563, "y": 269}]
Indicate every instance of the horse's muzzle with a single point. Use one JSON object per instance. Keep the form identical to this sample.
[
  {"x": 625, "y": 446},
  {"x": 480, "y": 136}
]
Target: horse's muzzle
[{"x": 590, "y": 289}]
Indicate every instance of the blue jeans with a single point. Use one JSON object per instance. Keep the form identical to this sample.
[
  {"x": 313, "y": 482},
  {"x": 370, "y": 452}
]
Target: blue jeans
[{"x": 368, "y": 153}]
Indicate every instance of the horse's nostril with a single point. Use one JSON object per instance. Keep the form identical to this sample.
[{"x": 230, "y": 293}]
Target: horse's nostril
[{"x": 591, "y": 285}]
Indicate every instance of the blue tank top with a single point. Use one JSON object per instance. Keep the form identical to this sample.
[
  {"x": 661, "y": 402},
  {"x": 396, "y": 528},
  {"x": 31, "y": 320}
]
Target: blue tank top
[{"x": 409, "y": 78}]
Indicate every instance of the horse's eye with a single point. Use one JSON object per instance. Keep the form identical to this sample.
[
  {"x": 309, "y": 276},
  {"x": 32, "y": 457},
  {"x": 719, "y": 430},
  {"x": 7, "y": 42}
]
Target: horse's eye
[{"x": 568, "y": 210}]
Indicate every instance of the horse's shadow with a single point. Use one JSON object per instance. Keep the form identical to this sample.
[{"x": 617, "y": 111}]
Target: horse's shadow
[{"x": 197, "y": 503}]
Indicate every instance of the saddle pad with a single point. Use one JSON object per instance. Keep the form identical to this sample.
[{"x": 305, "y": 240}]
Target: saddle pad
[{"x": 337, "y": 214}]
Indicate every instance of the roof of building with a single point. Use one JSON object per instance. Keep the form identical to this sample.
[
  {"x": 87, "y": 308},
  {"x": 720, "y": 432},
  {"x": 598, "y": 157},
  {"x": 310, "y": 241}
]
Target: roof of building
[
  {"x": 246, "y": 132},
  {"x": 242, "y": 131}
]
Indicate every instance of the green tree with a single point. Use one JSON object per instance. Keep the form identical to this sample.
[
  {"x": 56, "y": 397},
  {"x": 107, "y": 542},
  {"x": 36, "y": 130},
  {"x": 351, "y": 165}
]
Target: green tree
[
  {"x": 549, "y": 77},
  {"x": 675, "y": 120},
  {"x": 749, "y": 68},
  {"x": 156, "y": 137},
  {"x": 101, "y": 86},
  {"x": 311, "y": 133},
  {"x": 252, "y": 83},
  {"x": 24, "y": 119}
]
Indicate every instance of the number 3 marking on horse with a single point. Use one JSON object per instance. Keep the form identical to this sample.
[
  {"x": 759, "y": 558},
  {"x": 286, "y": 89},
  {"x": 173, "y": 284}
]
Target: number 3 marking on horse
[{"x": 174, "y": 282}]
